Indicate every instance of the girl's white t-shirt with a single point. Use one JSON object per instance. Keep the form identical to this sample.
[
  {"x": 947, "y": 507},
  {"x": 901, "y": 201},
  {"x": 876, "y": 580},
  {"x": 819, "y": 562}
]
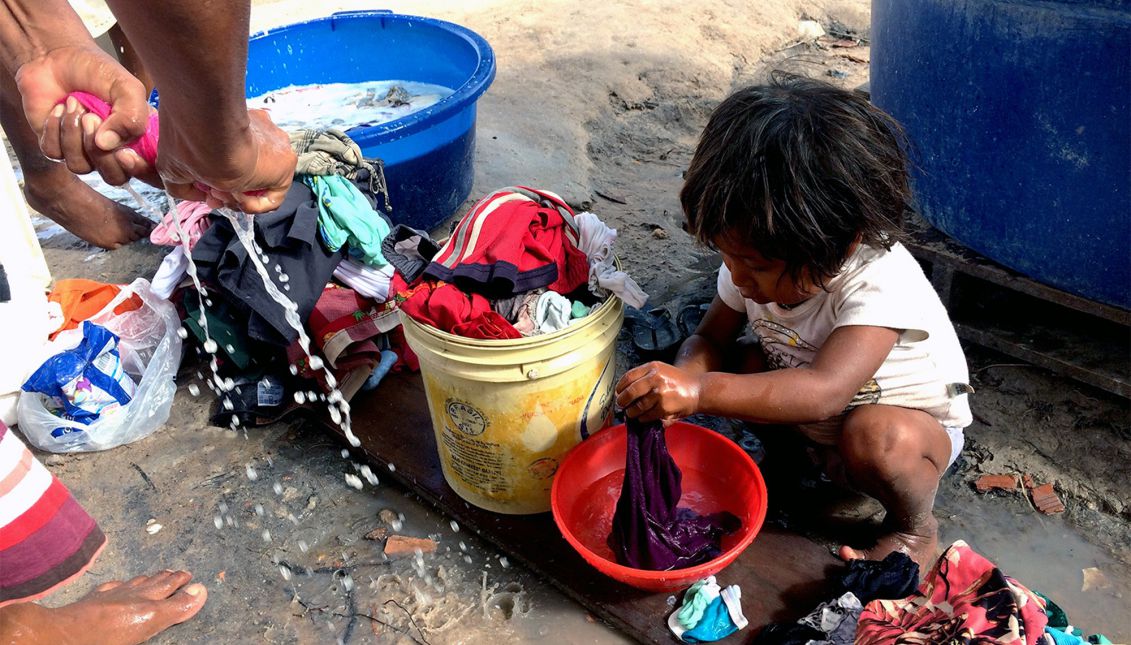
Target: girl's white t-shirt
[{"x": 926, "y": 370}]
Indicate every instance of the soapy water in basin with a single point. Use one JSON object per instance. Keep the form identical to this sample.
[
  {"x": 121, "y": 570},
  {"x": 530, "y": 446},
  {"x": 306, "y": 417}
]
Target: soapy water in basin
[{"x": 347, "y": 105}]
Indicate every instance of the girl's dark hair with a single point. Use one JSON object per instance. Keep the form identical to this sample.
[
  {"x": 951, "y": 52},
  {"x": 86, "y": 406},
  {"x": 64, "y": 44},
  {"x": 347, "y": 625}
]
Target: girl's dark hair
[{"x": 799, "y": 170}]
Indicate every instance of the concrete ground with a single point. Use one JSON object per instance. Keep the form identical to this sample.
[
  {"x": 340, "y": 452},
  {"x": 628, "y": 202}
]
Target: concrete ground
[{"x": 603, "y": 105}]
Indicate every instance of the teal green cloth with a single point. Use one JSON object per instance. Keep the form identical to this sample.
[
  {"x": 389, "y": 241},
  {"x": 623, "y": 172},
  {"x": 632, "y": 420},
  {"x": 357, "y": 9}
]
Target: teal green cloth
[
  {"x": 345, "y": 217},
  {"x": 1057, "y": 618},
  {"x": 1061, "y": 638},
  {"x": 579, "y": 310},
  {"x": 693, "y": 605},
  {"x": 715, "y": 624}
]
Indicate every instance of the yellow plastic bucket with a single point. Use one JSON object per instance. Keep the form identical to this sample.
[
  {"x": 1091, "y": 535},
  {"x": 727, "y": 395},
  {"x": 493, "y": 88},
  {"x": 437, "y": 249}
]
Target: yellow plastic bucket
[{"x": 506, "y": 412}]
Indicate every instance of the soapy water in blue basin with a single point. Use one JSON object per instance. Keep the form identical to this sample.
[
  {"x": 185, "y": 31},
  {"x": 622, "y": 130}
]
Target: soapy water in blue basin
[{"x": 347, "y": 105}]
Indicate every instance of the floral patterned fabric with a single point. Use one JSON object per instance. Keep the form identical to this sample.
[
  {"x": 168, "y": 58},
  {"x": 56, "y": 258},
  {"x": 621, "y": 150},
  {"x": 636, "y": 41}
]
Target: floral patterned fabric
[{"x": 964, "y": 600}]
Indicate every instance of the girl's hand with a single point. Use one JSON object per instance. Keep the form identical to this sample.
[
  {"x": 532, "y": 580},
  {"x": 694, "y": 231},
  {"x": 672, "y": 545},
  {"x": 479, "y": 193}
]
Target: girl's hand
[{"x": 658, "y": 392}]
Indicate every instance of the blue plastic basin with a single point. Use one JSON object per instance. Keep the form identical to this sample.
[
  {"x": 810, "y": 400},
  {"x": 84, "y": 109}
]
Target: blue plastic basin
[
  {"x": 427, "y": 154},
  {"x": 1020, "y": 111}
]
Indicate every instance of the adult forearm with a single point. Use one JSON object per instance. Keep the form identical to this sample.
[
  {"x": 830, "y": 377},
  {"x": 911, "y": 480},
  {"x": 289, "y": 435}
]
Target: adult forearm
[
  {"x": 196, "y": 52},
  {"x": 798, "y": 395},
  {"x": 30, "y": 28}
]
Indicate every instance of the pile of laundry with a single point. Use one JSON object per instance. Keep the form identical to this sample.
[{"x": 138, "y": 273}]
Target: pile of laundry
[
  {"x": 324, "y": 249},
  {"x": 964, "y": 599},
  {"x": 521, "y": 263}
]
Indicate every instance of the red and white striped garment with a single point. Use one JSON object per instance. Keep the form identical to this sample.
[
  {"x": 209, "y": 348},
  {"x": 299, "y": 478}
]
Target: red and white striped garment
[
  {"x": 46, "y": 538},
  {"x": 513, "y": 241}
]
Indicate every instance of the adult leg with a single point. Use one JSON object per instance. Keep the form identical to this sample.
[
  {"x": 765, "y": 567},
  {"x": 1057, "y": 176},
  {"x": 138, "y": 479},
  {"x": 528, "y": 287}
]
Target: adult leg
[
  {"x": 51, "y": 189},
  {"x": 47, "y": 540},
  {"x": 117, "y": 612},
  {"x": 897, "y": 456}
]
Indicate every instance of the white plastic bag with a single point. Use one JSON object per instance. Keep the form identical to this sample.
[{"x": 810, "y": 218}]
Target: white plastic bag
[{"x": 151, "y": 353}]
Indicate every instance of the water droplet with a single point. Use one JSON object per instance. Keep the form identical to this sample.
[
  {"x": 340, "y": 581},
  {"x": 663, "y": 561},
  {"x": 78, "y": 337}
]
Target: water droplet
[
  {"x": 266, "y": 535},
  {"x": 218, "y": 521},
  {"x": 455, "y": 526},
  {"x": 278, "y": 488},
  {"x": 353, "y": 480},
  {"x": 467, "y": 559},
  {"x": 315, "y": 362},
  {"x": 392, "y": 468},
  {"x": 228, "y": 405},
  {"x": 300, "y": 398},
  {"x": 285, "y": 572},
  {"x": 230, "y": 348},
  {"x": 367, "y": 473},
  {"x": 153, "y": 528},
  {"x": 284, "y": 278},
  {"x": 347, "y": 583},
  {"x": 194, "y": 389},
  {"x": 235, "y": 422},
  {"x": 223, "y": 507},
  {"x": 286, "y": 287},
  {"x": 345, "y": 453},
  {"x": 671, "y": 601},
  {"x": 182, "y": 332},
  {"x": 504, "y": 562},
  {"x": 294, "y": 370},
  {"x": 259, "y": 510},
  {"x": 302, "y": 546},
  {"x": 335, "y": 415},
  {"x": 208, "y": 302},
  {"x": 210, "y": 346},
  {"x": 251, "y": 474}
]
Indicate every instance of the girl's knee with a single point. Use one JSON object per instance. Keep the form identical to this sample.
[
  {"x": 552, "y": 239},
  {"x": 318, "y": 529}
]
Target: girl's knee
[{"x": 879, "y": 441}]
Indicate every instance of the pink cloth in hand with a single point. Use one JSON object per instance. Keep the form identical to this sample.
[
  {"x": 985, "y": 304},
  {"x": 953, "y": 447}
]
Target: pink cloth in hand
[
  {"x": 145, "y": 145},
  {"x": 193, "y": 217}
]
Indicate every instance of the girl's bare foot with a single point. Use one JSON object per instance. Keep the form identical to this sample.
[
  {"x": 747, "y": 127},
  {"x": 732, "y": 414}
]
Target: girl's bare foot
[{"x": 921, "y": 544}]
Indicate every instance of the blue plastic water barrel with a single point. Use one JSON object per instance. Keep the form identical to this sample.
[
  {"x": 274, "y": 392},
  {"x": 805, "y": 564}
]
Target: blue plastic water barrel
[
  {"x": 1020, "y": 115},
  {"x": 427, "y": 154}
]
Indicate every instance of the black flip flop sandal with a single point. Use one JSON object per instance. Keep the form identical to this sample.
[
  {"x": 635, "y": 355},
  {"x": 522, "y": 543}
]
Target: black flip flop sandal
[
  {"x": 655, "y": 336},
  {"x": 689, "y": 318}
]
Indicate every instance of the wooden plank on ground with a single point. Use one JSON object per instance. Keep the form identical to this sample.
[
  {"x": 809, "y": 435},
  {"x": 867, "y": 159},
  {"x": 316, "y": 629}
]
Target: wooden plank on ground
[
  {"x": 930, "y": 244},
  {"x": 782, "y": 574}
]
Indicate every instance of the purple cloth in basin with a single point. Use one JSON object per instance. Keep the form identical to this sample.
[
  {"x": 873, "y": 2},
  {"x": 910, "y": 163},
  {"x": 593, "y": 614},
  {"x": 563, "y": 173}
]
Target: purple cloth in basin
[{"x": 649, "y": 532}]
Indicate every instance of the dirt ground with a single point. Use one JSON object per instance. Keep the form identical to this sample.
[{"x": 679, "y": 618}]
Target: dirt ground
[{"x": 603, "y": 105}]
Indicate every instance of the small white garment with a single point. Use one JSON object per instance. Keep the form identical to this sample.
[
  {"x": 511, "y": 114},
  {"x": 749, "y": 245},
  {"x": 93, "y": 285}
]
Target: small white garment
[
  {"x": 552, "y": 312},
  {"x": 366, "y": 280},
  {"x": 732, "y": 598},
  {"x": 596, "y": 242},
  {"x": 172, "y": 270}
]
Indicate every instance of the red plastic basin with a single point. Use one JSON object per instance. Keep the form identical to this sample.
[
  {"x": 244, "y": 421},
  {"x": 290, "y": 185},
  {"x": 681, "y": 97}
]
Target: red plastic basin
[{"x": 717, "y": 476}]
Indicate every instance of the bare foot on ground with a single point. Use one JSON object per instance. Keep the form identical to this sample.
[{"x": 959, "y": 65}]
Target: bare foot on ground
[
  {"x": 920, "y": 544},
  {"x": 89, "y": 215},
  {"x": 116, "y": 613}
]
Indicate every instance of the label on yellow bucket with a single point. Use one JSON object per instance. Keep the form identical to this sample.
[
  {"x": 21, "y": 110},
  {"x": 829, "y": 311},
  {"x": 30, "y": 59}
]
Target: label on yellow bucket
[{"x": 501, "y": 443}]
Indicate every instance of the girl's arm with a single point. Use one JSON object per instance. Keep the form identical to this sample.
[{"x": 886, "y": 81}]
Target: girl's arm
[{"x": 849, "y": 357}]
